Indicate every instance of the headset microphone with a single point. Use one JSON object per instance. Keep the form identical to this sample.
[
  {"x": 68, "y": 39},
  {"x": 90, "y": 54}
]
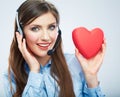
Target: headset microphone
[{"x": 50, "y": 52}]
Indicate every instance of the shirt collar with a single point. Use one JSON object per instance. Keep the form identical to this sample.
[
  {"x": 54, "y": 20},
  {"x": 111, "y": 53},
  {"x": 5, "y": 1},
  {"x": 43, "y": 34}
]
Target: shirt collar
[{"x": 27, "y": 69}]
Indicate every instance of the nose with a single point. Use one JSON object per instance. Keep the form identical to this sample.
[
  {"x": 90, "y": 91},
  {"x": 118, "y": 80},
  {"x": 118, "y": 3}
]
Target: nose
[{"x": 45, "y": 35}]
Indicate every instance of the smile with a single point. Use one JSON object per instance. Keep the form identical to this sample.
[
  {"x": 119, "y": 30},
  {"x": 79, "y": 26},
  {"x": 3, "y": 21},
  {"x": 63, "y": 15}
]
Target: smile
[{"x": 43, "y": 46}]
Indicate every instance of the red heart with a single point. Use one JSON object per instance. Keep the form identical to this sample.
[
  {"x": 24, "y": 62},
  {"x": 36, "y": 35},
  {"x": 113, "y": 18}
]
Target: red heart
[{"x": 88, "y": 42}]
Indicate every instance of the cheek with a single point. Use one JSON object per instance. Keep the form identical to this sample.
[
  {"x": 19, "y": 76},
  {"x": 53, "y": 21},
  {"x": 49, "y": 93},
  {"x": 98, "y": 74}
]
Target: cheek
[
  {"x": 54, "y": 36},
  {"x": 31, "y": 39}
]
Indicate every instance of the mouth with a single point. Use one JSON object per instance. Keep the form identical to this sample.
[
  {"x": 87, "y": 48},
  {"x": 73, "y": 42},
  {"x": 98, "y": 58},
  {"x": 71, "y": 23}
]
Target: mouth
[{"x": 43, "y": 46}]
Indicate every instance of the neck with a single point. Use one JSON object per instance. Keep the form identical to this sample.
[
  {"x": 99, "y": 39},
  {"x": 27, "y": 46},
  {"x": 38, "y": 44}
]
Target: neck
[{"x": 43, "y": 60}]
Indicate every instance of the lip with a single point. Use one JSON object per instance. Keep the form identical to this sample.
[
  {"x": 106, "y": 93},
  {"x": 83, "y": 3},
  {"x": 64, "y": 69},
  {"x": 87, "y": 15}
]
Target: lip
[{"x": 43, "y": 46}]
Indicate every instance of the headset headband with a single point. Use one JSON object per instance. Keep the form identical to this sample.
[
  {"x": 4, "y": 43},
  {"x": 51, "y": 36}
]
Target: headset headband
[{"x": 18, "y": 24}]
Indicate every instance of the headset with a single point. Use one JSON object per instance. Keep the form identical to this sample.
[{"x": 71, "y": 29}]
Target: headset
[
  {"x": 50, "y": 52},
  {"x": 19, "y": 27}
]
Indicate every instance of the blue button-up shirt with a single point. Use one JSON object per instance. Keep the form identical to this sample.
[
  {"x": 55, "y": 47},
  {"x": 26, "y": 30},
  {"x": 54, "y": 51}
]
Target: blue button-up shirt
[{"x": 42, "y": 84}]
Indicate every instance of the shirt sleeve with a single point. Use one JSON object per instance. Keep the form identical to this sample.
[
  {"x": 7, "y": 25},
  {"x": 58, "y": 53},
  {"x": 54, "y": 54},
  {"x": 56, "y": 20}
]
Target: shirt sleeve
[
  {"x": 76, "y": 72},
  {"x": 92, "y": 92},
  {"x": 4, "y": 86},
  {"x": 34, "y": 86}
]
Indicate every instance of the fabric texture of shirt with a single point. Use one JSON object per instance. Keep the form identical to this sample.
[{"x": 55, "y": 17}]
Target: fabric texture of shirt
[{"x": 42, "y": 84}]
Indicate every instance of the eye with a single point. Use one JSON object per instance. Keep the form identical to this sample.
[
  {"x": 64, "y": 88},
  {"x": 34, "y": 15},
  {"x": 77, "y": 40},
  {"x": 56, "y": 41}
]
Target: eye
[
  {"x": 52, "y": 27},
  {"x": 35, "y": 29}
]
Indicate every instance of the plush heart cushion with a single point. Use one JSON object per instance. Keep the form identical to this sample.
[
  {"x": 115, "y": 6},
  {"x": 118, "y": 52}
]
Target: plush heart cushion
[{"x": 88, "y": 42}]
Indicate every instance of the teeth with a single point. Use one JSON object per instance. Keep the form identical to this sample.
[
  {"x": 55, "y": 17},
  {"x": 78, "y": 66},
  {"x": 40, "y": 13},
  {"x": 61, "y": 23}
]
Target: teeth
[{"x": 43, "y": 45}]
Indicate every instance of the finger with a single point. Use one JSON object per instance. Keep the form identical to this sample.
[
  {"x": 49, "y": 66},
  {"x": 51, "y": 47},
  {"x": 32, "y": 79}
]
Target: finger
[
  {"x": 77, "y": 53},
  {"x": 100, "y": 55},
  {"x": 24, "y": 46},
  {"x": 25, "y": 50},
  {"x": 19, "y": 40},
  {"x": 81, "y": 59},
  {"x": 24, "y": 43},
  {"x": 103, "y": 48}
]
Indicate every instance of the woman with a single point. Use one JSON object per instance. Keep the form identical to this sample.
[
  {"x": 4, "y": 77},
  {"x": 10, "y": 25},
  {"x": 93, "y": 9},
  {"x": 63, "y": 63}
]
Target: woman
[{"x": 37, "y": 65}]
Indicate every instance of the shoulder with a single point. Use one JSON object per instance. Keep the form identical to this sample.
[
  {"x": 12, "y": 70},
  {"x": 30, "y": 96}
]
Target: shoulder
[
  {"x": 5, "y": 84},
  {"x": 4, "y": 78},
  {"x": 70, "y": 57},
  {"x": 4, "y": 75},
  {"x": 72, "y": 62},
  {"x": 76, "y": 71}
]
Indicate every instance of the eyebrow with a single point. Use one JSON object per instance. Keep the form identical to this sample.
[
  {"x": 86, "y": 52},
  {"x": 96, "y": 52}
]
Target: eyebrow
[{"x": 54, "y": 23}]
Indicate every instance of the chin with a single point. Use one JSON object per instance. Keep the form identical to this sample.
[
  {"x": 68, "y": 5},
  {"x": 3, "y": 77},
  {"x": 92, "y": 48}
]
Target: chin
[{"x": 42, "y": 54}]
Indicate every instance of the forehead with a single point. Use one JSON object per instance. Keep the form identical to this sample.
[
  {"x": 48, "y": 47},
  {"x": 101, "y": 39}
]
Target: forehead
[{"x": 44, "y": 19}]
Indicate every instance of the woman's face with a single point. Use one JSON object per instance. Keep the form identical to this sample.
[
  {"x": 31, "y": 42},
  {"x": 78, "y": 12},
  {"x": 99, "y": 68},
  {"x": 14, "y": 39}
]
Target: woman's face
[{"x": 41, "y": 34}]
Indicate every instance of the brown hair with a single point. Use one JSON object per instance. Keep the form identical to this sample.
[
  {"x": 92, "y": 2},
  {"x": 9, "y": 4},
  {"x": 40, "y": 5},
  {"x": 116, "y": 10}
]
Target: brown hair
[{"x": 27, "y": 12}]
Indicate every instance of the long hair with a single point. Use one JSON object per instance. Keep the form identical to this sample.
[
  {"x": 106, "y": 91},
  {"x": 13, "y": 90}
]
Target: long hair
[{"x": 28, "y": 12}]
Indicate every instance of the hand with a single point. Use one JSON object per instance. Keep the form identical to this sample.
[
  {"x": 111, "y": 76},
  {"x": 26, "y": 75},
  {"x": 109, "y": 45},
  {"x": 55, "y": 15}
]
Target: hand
[
  {"x": 27, "y": 54},
  {"x": 91, "y": 66}
]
